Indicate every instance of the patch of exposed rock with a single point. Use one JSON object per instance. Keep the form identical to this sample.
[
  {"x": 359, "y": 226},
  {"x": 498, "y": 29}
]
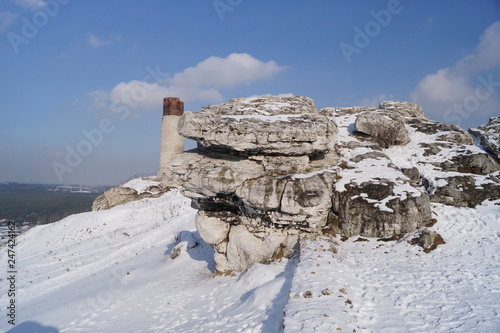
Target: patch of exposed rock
[
  {"x": 427, "y": 240},
  {"x": 387, "y": 128},
  {"x": 489, "y": 135},
  {"x": 123, "y": 194}
]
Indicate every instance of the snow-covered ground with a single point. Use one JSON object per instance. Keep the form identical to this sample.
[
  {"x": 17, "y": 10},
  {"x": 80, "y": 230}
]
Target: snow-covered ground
[{"x": 112, "y": 271}]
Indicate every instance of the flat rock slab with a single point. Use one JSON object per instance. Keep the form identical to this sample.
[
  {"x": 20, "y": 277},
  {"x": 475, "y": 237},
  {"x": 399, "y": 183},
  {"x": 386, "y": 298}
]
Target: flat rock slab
[{"x": 286, "y": 134}]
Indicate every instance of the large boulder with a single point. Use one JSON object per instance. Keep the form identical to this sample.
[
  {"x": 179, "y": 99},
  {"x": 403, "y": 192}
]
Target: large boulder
[
  {"x": 246, "y": 248},
  {"x": 387, "y": 128},
  {"x": 379, "y": 203}
]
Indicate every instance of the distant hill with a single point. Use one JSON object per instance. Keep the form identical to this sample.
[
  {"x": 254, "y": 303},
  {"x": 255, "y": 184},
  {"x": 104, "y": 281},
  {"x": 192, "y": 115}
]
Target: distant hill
[{"x": 45, "y": 203}]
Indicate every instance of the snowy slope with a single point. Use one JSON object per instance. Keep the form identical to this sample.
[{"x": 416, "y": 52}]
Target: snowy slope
[
  {"x": 111, "y": 271},
  {"x": 392, "y": 286}
]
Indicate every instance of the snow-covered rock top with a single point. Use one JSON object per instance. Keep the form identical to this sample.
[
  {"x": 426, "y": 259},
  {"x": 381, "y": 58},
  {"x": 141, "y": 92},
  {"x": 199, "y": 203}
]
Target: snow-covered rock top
[
  {"x": 489, "y": 135},
  {"x": 263, "y": 105}
]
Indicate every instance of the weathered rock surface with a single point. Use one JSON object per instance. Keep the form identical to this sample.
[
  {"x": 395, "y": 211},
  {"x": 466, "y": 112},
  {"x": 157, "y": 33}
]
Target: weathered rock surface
[
  {"x": 211, "y": 173},
  {"x": 288, "y": 134},
  {"x": 211, "y": 229},
  {"x": 382, "y": 205},
  {"x": 121, "y": 195},
  {"x": 406, "y": 109},
  {"x": 426, "y": 239},
  {"x": 263, "y": 105},
  {"x": 271, "y": 168},
  {"x": 489, "y": 135},
  {"x": 388, "y": 128},
  {"x": 464, "y": 190}
]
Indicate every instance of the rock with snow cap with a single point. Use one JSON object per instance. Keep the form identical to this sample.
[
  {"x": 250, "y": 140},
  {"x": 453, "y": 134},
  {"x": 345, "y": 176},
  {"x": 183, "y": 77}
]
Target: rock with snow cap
[
  {"x": 387, "y": 128},
  {"x": 489, "y": 135}
]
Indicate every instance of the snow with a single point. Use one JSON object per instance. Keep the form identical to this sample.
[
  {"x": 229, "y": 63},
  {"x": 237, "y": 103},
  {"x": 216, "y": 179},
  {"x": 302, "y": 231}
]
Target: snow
[
  {"x": 111, "y": 271},
  {"x": 141, "y": 185},
  {"x": 395, "y": 287}
]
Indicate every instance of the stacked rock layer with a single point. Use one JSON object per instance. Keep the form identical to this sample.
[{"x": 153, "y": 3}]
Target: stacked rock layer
[{"x": 270, "y": 168}]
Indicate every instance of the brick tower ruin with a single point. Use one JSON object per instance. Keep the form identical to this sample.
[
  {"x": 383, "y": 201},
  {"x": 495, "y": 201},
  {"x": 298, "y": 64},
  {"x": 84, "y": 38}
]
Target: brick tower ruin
[{"x": 171, "y": 142}]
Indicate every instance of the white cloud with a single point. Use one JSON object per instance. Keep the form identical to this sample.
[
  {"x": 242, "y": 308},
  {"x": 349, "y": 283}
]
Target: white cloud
[
  {"x": 202, "y": 82},
  {"x": 30, "y": 4},
  {"x": 96, "y": 42},
  {"x": 227, "y": 72},
  {"x": 449, "y": 90},
  {"x": 375, "y": 101},
  {"x": 6, "y": 20}
]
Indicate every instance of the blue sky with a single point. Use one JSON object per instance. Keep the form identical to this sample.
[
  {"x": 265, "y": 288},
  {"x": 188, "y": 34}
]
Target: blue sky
[{"x": 88, "y": 77}]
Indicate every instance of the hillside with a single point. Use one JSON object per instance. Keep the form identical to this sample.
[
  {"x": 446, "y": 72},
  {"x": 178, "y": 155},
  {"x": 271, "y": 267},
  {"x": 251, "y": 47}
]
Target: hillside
[{"x": 112, "y": 271}]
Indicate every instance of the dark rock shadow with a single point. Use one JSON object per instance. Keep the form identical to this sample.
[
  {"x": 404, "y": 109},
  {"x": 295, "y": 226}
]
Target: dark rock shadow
[
  {"x": 190, "y": 242},
  {"x": 351, "y": 129},
  {"x": 32, "y": 327}
]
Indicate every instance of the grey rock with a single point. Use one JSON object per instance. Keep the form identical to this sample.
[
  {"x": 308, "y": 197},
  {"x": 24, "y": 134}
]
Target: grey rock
[
  {"x": 406, "y": 109},
  {"x": 412, "y": 173},
  {"x": 464, "y": 191},
  {"x": 212, "y": 230},
  {"x": 426, "y": 239},
  {"x": 121, "y": 195},
  {"x": 479, "y": 164},
  {"x": 444, "y": 132},
  {"x": 388, "y": 128},
  {"x": 378, "y": 206},
  {"x": 278, "y": 165},
  {"x": 360, "y": 214},
  {"x": 246, "y": 248},
  {"x": 303, "y": 134},
  {"x": 489, "y": 135},
  {"x": 208, "y": 173},
  {"x": 264, "y": 192},
  {"x": 305, "y": 196},
  {"x": 333, "y": 112}
]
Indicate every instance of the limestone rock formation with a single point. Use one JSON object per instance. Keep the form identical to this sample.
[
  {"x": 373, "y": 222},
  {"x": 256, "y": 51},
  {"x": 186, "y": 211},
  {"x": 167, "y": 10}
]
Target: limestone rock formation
[
  {"x": 271, "y": 168},
  {"x": 388, "y": 128},
  {"x": 122, "y": 194},
  {"x": 382, "y": 205},
  {"x": 489, "y": 135},
  {"x": 291, "y": 134},
  {"x": 426, "y": 239}
]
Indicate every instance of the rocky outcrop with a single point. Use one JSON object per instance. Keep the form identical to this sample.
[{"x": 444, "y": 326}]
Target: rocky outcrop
[
  {"x": 406, "y": 109},
  {"x": 291, "y": 134},
  {"x": 465, "y": 190},
  {"x": 489, "y": 135},
  {"x": 123, "y": 194},
  {"x": 383, "y": 204},
  {"x": 388, "y": 128},
  {"x": 268, "y": 169},
  {"x": 426, "y": 239}
]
